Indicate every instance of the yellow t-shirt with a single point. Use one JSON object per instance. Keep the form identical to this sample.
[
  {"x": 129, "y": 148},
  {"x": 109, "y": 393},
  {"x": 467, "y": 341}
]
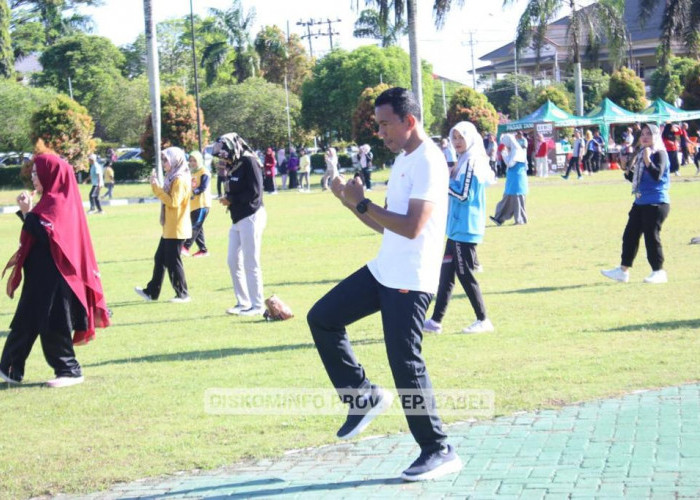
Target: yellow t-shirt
[
  {"x": 203, "y": 199},
  {"x": 178, "y": 225}
]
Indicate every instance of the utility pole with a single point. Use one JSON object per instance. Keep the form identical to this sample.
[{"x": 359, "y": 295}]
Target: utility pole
[
  {"x": 196, "y": 83},
  {"x": 309, "y": 34},
  {"x": 515, "y": 63},
  {"x": 471, "y": 43}
]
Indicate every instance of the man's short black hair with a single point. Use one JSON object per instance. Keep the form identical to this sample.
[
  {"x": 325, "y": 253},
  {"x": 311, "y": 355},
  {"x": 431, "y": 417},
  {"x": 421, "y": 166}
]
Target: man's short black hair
[{"x": 402, "y": 101}]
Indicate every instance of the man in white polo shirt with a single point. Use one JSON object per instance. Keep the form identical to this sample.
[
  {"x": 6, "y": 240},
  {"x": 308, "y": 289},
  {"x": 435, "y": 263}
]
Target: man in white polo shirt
[{"x": 399, "y": 283}]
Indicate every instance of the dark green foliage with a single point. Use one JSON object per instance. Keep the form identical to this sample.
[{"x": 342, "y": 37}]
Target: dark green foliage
[
  {"x": 131, "y": 170},
  {"x": 10, "y": 177}
]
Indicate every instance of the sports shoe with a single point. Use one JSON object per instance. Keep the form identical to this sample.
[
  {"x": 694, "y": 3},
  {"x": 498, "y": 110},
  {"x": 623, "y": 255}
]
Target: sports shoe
[
  {"x": 657, "y": 277},
  {"x": 139, "y": 291},
  {"x": 617, "y": 274},
  {"x": 363, "y": 411},
  {"x": 479, "y": 326},
  {"x": 431, "y": 326},
  {"x": 65, "y": 381},
  {"x": 252, "y": 311},
  {"x": 495, "y": 220},
  {"x": 201, "y": 253},
  {"x": 478, "y": 268},
  {"x": 181, "y": 300},
  {"x": 432, "y": 465},
  {"x": 8, "y": 379},
  {"x": 184, "y": 252},
  {"x": 236, "y": 310}
]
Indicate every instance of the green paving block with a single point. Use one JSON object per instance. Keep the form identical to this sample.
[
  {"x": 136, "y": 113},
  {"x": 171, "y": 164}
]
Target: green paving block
[
  {"x": 486, "y": 487},
  {"x": 533, "y": 493}
]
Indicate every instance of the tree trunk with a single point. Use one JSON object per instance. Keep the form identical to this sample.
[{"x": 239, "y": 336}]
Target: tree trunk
[
  {"x": 416, "y": 74},
  {"x": 578, "y": 88},
  {"x": 153, "y": 82}
]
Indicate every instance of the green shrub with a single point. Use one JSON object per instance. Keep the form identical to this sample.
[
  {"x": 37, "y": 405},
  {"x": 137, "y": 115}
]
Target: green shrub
[
  {"x": 9, "y": 177},
  {"x": 344, "y": 161},
  {"x": 131, "y": 170},
  {"x": 317, "y": 161}
]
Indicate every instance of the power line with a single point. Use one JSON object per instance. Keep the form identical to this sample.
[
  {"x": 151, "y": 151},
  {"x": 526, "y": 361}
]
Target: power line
[{"x": 319, "y": 33}]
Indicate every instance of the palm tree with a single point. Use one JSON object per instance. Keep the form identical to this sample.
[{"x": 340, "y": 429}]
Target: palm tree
[
  {"x": 410, "y": 7},
  {"x": 601, "y": 19},
  {"x": 153, "y": 81},
  {"x": 7, "y": 61},
  {"x": 51, "y": 14},
  {"x": 680, "y": 21},
  {"x": 371, "y": 25},
  {"x": 231, "y": 30}
]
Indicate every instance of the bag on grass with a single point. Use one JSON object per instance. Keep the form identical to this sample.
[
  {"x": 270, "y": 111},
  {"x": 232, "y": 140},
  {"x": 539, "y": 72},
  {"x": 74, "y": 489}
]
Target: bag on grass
[{"x": 276, "y": 309}]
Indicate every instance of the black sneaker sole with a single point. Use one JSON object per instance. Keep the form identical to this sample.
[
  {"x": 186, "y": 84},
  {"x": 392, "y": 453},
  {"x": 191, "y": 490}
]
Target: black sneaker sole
[
  {"x": 447, "y": 468},
  {"x": 383, "y": 405}
]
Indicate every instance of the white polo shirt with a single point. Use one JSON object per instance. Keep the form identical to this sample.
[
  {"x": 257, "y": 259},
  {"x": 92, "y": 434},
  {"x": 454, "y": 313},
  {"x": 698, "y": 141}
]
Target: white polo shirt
[{"x": 414, "y": 264}]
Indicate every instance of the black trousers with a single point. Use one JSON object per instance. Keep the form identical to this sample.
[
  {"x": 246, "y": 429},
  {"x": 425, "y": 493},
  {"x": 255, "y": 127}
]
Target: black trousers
[
  {"x": 167, "y": 257},
  {"x": 459, "y": 259},
  {"x": 220, "y": 181},
  {"x": 573, "y": 162},
  {"x": 673, "y": 161},
  {"x": 403, "y": 313},
  {"x": 367, "y": 177},
  {"x": 197, "y": 216},
  {"x": 57, "y": 347},
  {"x": 646, "y": 220},
  {"x": 95, "y": 198}
]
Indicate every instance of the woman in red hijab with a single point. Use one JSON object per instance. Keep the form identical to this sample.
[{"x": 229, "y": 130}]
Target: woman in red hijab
[{"x": 62, "y": 293}]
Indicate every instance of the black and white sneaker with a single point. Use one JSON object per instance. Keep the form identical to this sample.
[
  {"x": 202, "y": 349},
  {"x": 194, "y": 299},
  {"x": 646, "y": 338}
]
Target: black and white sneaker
[
  {"x": 363, "y": 411},
  {"x": 7, "y": 378},
  {"x": 432, "y": 465}
]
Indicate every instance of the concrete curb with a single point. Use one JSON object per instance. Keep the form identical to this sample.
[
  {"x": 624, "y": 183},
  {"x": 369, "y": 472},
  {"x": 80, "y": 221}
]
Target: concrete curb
[{"x": 11, "y": 209}]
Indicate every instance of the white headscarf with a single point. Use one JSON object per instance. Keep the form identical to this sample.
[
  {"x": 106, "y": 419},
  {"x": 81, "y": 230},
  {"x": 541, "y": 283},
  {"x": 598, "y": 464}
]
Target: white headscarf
[
  {"x": 475, "y": 154},
  {"x": 657, "y": 147},
  {"x": 516, "y": 154}
]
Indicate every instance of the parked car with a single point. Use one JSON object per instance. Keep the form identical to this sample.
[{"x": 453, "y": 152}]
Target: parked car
[
  {"x": 14, "y": 159},
  {"x": 129, "y": 154}
]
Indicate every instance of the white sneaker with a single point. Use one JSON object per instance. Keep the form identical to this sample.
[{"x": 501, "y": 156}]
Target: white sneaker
[
  {"x": 616, "y": 274},
  {"x": 657, "y": 277},
  {"x": 139, "y": 291},
  {"x": 236, "y": 310},
  {"x": 479, "y": 326},
  {"x": 252, "y": 311},
  {"x": 478, "y": 268},
  {"x": 431, "y": 326},
  {"x": 181, "y": 300},
  {"x": 65, "y": 381}
]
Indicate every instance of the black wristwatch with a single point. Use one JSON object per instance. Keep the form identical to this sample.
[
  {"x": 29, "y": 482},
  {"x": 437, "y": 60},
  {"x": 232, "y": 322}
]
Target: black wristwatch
[{"x": 362, "y": 206}]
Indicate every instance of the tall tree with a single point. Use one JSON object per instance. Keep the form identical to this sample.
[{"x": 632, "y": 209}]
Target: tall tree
[
  {"x": 409, "y": 7},
  {"x": 58, "y": 17},
  {"x": 279, "y": 57},
  {"x": 680, "y": 21},
  {"x": 7, "y": 60},
  {"x": 602, "y": 19},
  {"x": 231, "y": 28},
  {"x": 371, "y": 25}
]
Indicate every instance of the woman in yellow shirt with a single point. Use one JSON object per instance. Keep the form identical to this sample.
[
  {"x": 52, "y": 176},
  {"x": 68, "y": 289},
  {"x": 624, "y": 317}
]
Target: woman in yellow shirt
[
  {"x": 177, "y": 227},
  {"x": 200, "y": 203}
]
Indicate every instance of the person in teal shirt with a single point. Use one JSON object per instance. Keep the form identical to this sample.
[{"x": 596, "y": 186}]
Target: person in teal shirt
[{"x": 513, "y": 202}]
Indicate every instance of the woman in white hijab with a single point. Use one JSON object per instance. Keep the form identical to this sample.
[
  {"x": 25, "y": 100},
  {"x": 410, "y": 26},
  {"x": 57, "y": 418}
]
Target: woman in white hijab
[
  {"x": 174, "y": 195},
  {"x": 649, "y": 174},
  {"x": 513, "y": 202},
  {"x": 466, "y": 222}
]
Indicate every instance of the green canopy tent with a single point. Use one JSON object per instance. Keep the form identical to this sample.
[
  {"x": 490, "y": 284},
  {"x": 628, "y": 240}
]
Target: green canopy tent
[
  {"x": 608, "y": 113},
  {"x": 547, "y": 113},
  {"x": 660, "y": 111}
]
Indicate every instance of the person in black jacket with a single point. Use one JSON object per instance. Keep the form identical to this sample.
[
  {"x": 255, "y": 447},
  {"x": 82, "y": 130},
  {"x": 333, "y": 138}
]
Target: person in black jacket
[{"x": 244, "y": 202}]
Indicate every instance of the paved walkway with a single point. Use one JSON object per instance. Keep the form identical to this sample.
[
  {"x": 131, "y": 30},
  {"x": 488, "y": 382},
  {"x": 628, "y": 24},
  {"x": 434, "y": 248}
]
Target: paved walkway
[{"x": 642, "y": 445}]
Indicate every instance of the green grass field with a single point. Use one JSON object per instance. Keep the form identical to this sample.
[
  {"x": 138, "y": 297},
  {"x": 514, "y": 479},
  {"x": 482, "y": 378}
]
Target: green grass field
[{"x": 563, "y": 332}]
